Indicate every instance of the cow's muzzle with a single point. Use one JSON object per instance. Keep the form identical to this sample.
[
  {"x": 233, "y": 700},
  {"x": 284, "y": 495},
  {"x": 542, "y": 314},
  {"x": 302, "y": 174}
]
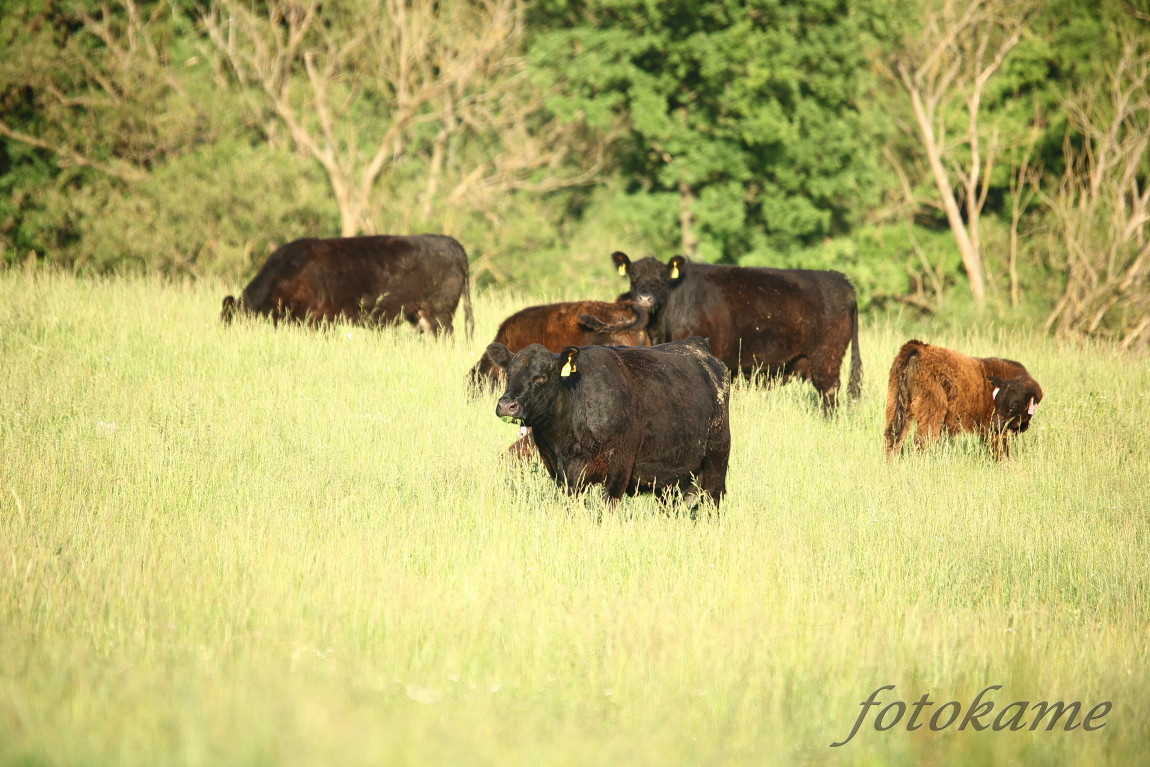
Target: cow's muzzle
[
  {"x": 645, "y": 300},
  {"x": 507, "y": 409}
]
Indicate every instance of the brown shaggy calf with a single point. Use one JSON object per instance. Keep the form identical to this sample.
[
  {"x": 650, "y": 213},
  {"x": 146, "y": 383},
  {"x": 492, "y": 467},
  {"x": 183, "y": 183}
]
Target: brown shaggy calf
[{"x": 947, "y": 392}]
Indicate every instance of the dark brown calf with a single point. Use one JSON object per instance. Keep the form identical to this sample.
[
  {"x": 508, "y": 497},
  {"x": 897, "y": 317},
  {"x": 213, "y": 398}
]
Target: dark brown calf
[
  {"x": 947, "y": 392},
  {"x": 555, "y": 326}
]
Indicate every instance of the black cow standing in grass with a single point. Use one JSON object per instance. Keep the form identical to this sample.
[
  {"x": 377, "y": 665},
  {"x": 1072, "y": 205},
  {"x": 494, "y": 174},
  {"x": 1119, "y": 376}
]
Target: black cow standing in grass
[
  {"x": 781, "y": 322},
  {"x": 369, "y": 280},
  {"x": 633, "y": 419}
]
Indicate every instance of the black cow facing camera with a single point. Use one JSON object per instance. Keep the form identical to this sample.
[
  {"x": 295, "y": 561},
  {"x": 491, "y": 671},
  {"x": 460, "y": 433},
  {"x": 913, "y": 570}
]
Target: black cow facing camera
[
  {"x": 781, "y": 322},
  {"x": 632, "y": 419}
]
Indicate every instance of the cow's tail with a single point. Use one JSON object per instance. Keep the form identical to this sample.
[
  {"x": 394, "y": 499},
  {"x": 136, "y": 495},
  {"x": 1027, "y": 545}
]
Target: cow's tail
[
  {"x": 854, "y": 386},
  {"x": 898, "y": 394},
  {"x": 637, "y": 322},
  {"x": 485, "y": 376},
  {"x": 468, "y": 316}
]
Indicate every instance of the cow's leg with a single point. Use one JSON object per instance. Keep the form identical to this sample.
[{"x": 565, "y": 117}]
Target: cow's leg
[
  {"x": 572, "y": 480},
  {"x": 619, "y": 477},
  {"x": 708, "y": 482},
  {"x": 896, "y": 436},
  {"x": 928, "y": 407},
  {"x": 712, "y": 475}
]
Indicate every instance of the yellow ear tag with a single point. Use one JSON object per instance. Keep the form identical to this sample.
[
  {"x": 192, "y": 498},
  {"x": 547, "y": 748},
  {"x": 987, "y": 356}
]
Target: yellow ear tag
[
  {"x": 567, "y": 370},
  {"x": 675, "y": 272},
  {"x": 622, "y": 270}
]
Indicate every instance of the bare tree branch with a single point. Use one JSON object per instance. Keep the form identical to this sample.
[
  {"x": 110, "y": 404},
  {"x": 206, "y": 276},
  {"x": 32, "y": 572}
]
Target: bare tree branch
[
  {"x": 455, "y": 66},
  {"x": 69, "y": 156},
  {"x": 1102, "y": 211},
  {"x": 963, "y": 43}
]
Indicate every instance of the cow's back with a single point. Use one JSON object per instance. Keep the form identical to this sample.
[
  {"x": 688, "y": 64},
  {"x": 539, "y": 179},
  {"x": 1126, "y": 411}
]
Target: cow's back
[
  {"x": 758, "y": 316},
  {"x": 558, "y": 325},
  {"x": 672, "y": 396},
  {"x": 958, "y": 379}
]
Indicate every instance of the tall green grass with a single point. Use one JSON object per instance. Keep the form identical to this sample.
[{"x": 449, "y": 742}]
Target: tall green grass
[{"x": 250, "y": 545}]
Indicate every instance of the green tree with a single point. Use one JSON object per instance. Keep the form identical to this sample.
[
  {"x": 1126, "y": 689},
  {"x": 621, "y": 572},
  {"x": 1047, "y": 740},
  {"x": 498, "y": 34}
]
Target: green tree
[{"x": 746, "y": 110}]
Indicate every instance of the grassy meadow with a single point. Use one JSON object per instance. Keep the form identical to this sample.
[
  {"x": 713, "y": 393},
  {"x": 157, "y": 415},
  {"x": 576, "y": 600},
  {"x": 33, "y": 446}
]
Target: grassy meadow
[{"x": 248, "y": 545}]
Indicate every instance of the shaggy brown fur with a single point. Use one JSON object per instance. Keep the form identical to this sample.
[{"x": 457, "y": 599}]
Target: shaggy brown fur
[{"x": 947, "y": 392}]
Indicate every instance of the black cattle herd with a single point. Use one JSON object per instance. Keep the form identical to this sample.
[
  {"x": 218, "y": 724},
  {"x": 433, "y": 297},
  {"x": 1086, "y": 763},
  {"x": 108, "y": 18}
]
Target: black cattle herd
[{"x": 634, "y": 394}]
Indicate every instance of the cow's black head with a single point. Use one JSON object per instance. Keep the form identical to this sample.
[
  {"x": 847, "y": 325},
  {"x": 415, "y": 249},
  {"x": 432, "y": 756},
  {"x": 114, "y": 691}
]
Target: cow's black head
[
  {"x": 1014, "y": 402},
  {"x": 651, "y": 280},
  {"x": 535, "y": 379}
]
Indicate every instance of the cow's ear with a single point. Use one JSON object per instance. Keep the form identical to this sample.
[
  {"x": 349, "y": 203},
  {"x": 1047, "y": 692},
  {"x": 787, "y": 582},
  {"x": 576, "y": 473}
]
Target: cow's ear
[
  {"x": 568, "y": 357},
  {"x": 997, "y": 383},
  {"x": 676, "y": 265},
  {"x": 621, "y": 261},
  {"x": 499, "y": 355},
  {"x": 1034, "y": 396}
]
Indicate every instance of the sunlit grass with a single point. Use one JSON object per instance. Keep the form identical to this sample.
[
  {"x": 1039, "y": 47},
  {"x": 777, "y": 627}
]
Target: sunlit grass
[{"x": 256, "y": 545}]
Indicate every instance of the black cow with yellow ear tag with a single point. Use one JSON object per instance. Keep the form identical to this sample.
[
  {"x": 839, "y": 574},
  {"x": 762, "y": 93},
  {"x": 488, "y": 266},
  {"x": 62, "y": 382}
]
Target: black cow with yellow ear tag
[
  {"x": 775, "y": 323},
  {"x": 632, "y": 419}
]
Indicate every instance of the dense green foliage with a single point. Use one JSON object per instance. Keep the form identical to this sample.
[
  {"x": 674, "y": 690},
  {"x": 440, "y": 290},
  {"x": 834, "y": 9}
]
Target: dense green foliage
[
  {"x": 250, "y": 545},
  {"x": 194, "y": 137},
  {"x": 749, "y": 109}
]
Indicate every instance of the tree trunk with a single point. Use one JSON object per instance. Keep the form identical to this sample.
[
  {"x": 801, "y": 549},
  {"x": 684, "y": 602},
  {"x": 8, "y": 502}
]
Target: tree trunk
[
  {"x": 971, "y": 259},
  {"x": 690, "y": 243}
]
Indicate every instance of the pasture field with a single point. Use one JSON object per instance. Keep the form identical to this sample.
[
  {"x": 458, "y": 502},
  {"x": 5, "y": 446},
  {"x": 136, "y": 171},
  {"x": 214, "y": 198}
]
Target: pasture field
[{"x": 248, "y": 545}]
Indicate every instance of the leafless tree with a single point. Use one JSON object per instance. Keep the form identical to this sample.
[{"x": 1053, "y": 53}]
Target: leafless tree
[
  {"x": 947, "y": 65},
  {"x": 1101, "y": 207},
  {"x": 361, "y": 89},
  {"x": 1025, "y": 183}
]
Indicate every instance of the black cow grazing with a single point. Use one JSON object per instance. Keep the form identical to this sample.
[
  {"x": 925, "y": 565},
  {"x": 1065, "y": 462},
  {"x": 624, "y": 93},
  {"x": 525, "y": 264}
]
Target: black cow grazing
[
  {"x": 633, "y": 419},
  {"x": 782, "y": 322},
  {"x": 573, "y": 323},
  {"x": 362, "y": 279}
]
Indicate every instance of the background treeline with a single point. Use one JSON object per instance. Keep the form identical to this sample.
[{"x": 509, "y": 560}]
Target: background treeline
[{"x": 943, "y": 153}]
